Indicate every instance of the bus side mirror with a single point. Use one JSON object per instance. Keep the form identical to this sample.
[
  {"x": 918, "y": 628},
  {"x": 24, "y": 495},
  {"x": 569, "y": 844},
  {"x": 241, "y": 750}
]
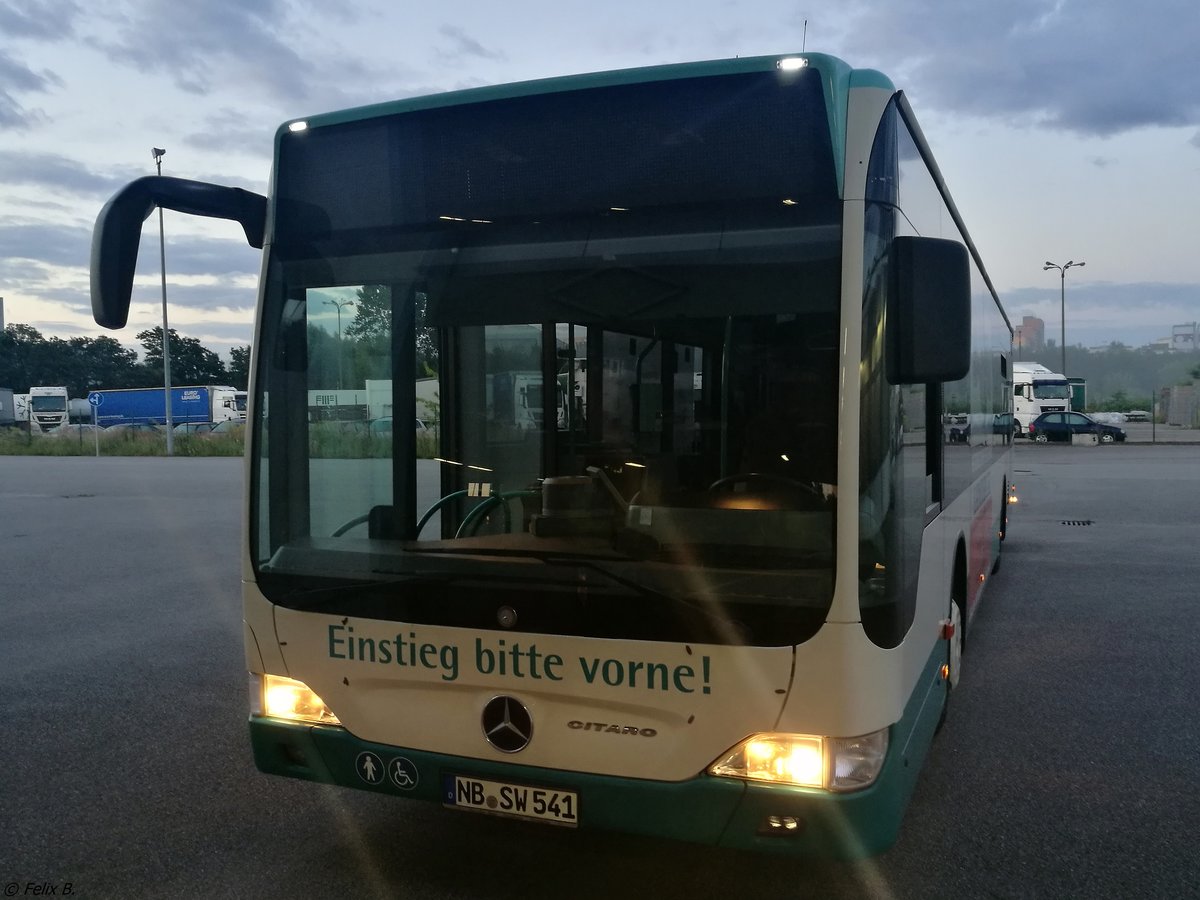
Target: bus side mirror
[
  {"x": 928, "y": 311},
  {"x": 118, "y": 232}
]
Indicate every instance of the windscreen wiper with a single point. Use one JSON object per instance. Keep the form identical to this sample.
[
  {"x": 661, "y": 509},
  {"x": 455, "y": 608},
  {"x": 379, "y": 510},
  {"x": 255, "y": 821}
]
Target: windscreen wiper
[
  {"x": 710, "y": 611},
  {"x": 313, "y": 598}
]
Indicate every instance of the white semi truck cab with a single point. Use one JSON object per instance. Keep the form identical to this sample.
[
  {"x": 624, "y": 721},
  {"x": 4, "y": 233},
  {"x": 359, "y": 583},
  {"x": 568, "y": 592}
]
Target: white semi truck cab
[
  {"x": 48, "y": 408},
  {"x": 1037, "y": 390}
]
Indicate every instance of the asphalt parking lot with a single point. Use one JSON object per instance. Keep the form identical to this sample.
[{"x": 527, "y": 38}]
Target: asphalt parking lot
[{"x": 1067, "y": 768}]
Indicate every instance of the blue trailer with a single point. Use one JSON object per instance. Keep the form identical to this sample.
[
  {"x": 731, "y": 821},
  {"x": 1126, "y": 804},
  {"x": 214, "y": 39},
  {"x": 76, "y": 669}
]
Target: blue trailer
[{"x": 136, "y": 406}]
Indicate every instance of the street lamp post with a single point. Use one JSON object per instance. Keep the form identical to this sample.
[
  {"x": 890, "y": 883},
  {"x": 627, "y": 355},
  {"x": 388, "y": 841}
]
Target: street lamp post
[
  {"x": 339, "y": 304},
  {"x": 1062, "y": 272},
  {"x": 158, "y": 154}
]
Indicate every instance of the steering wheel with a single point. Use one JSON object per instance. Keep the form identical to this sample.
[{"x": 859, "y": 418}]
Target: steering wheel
[
  {"x": 797, "y": 494},
  {"x": 359, "y": 520},
  {"x": 470, "y": 523},
  {"x": 356, "y": 521},
  {"x": 768, "y": 477}
]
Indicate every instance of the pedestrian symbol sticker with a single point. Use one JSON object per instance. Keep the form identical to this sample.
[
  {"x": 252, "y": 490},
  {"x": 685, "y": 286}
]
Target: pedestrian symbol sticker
[
  {"x": 370, "y": 768},
  {"x": 403, "y": 773}
]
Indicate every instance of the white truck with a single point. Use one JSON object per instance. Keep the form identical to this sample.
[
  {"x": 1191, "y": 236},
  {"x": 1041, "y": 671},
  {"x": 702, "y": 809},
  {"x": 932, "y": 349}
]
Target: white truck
[
  {"x": 45, "y": 408},
  {"x": 370, "y": 402},
  {"x": 1037, "y": 390},
  {"x": 514, "y": 400},
  {"x": 189, "y": 403}
]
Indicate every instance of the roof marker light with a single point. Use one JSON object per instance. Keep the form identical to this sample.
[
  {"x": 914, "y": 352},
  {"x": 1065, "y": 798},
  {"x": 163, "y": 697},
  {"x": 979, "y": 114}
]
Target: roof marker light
[
  {"x": 792, "y": 64},
  {"x": 295, "y": 127}
]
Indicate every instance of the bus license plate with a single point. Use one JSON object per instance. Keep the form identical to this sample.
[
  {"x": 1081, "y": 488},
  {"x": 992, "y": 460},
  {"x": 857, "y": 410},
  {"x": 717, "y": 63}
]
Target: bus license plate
[{"x": 520, "y": 800}]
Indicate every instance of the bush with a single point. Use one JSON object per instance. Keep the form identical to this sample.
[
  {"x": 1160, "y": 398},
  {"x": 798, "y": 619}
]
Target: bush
[
  {"x": 20, "y": 443},
  {"x": 330, "y": 440},
  {"x": 326, "y": 440}
]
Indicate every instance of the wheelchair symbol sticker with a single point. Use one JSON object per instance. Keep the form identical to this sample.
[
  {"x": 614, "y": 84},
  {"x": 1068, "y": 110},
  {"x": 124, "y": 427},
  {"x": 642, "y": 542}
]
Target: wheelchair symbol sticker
[{"x": 403, "y": 773}]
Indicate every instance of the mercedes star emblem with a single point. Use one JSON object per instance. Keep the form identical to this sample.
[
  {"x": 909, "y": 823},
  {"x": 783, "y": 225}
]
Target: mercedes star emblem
[{"x": 507, "y": 724}]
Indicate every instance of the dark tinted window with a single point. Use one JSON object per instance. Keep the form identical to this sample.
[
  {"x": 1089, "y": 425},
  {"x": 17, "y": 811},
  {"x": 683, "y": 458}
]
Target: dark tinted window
[{"x": 674, "y": 143}]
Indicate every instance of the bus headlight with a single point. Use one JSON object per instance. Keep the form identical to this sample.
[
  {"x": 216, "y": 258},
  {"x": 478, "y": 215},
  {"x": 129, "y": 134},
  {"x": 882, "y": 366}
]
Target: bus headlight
[
  {"x": 834, "y": 764},
  {"x": 286, "y": 698}
]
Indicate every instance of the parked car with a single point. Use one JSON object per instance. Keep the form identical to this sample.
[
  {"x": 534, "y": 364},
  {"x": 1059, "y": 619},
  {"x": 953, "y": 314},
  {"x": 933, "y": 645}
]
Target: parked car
[
  {"x": 193, "y": 427},
  {"x": 228, "y": 427},
  {"x": 135, "y": 430},
  {"x": 74, "y": 431},
  {"x": 1059, "y": 426},
  {"x": 383, "y": 425}
]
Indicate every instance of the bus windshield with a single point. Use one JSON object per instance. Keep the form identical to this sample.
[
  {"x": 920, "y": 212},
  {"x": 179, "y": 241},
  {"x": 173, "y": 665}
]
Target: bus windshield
[{"x": 631, "y": 407}]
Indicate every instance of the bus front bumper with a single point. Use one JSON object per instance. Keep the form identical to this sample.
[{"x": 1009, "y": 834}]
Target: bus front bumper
[{"x": 708, "y": 810}]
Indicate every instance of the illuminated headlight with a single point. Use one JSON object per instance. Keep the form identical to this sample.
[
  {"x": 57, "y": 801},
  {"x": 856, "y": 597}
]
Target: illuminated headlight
[
  {"x": 286, "y": 698},
  {"x": 834, "y": 764}
]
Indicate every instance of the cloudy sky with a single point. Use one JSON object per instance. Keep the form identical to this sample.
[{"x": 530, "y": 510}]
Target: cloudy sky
[{"x": 1066, "y": 129}]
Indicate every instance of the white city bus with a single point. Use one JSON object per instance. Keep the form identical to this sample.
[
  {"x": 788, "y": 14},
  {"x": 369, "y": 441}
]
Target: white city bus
[{"x": 723, "y": 598}]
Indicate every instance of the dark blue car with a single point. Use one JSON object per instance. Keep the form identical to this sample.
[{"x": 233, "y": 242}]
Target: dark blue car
[{"x": 1059, "y": 426}]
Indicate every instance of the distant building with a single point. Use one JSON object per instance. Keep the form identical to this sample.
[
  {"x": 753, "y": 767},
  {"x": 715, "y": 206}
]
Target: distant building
[
  {"x": 1182, "y": 405},
  {"x": 1186, "y": 337},
  {"x": 1029, "y": 337}
]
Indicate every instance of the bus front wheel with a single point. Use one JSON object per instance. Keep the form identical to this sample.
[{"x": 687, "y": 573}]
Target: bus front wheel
[{"x": 953, "y": 658}]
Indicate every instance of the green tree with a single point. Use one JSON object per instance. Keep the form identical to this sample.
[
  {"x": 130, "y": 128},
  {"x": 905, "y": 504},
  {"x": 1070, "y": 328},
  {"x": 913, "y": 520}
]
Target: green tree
[
  {"x": 24, "y": 357},
  {"x": 191, "y": 362},
  {"x": 1137, "y": 374},
  {"x": 88, "y": 364},
  {"x": 372, "y": 313},
  {"x": 239, "y": 367},
  {"x": 322, "y": 352},
  {"x": 427, "y": 348},
  {"x": 372, "y": 332}
]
